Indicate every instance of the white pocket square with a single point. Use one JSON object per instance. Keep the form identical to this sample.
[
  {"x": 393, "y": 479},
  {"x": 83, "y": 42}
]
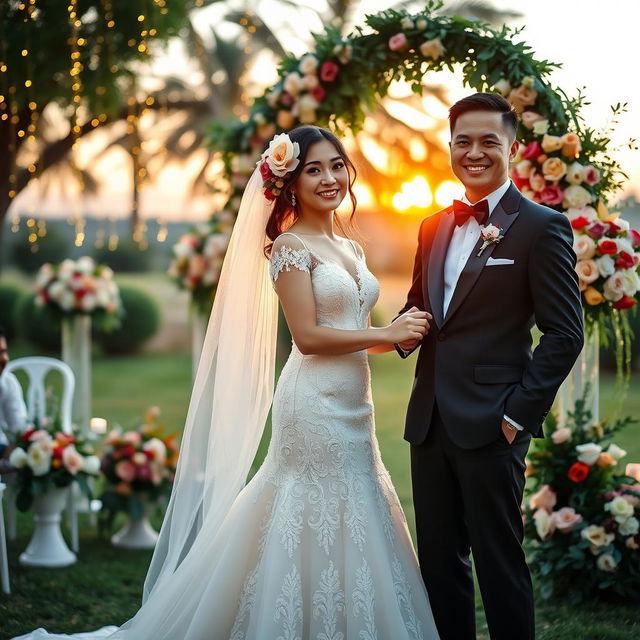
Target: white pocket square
[{"x": 498, "y": 261}]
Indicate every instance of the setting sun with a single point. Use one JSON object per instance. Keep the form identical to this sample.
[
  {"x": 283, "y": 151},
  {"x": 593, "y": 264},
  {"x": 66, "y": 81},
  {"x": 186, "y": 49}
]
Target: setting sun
[{"x": 415, "y": 193}]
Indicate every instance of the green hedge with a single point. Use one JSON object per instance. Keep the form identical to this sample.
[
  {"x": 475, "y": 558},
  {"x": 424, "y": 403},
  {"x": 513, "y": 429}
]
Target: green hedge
[
  {"x": 9, "y": 296},
  {"x": 140, "y": 322},
  {"x": 39, "y": 325}
]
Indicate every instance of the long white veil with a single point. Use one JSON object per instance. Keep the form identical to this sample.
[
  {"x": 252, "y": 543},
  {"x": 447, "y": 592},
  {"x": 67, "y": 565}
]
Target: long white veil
[{"x": 231, "y": 395}]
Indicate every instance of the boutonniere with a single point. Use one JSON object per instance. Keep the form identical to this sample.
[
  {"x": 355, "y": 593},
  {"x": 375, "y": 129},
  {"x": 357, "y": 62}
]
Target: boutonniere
[{"x": 490, "y": 234}]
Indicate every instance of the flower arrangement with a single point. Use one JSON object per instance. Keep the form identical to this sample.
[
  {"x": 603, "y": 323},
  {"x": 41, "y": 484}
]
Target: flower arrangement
[
  {"x": 80, "y": 287},
  {"x": 198, "y": 257},
  {"x": 44, "y": 456},
  {"x": 139, "y": 466},
  {"x": 583, "y": 522}
]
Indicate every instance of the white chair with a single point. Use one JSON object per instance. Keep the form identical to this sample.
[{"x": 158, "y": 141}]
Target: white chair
[
  {"x": 4, "y": 563},
  {"x": 37, "y": 369}
]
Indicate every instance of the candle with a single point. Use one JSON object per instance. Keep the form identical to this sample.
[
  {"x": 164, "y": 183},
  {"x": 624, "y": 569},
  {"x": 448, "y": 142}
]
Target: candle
[{"x": 98, "y": 425}]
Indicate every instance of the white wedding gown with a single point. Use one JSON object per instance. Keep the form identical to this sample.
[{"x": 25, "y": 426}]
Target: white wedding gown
[{"x": 316, "y": 545}]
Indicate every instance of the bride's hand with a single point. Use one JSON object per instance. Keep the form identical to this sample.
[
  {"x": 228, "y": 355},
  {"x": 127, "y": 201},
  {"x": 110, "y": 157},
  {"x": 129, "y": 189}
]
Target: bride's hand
[{"x": 410, "y": 326}]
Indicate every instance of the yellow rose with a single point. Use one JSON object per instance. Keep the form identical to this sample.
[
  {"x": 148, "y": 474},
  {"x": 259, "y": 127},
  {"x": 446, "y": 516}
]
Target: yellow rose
[
  {"x": 551, "y": 143},
  {"x": 571, "y": 145},
  {"x": 593, "y": 297},
  {"x": 522, "y": 96},
  {"x": 553, "y": 169},
  {"x": 432, "y": 49}
]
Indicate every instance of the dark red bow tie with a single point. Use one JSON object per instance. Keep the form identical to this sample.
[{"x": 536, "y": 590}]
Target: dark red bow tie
[{"x": 462, "y": 212}]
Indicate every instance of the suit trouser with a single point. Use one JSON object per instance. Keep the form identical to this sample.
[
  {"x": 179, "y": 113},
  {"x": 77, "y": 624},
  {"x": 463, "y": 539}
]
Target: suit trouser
[{"x": 469, "y": 500}]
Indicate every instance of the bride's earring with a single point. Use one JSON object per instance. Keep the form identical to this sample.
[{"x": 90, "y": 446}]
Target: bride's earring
[{"x": 293, "y": 199}]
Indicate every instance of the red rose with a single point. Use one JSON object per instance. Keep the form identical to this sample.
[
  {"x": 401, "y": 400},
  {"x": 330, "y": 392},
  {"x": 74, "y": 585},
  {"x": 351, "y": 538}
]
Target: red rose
[
  {"x": 265, "y": 171},
  {"x": 520, "y": 182},
  {"x": 625, "y": 303},
  {"x": 318, "y": 93},
  {"x": 635, "y": 238},
  {"x": 27, "y": 434},
  {"x": 609, "y": 247},
  {"x": 578, "y": 472},
  {"x": 579, "y": 222},
  {"x": 532, "y": 151},
  {"x": 57, "y": 452},
  {"x": 268, "y": 194},
  {"x": 551, "y": 194},
  {"x": 329, "y": 71},
  {"x": 596, "y": 230},
  {"x": 613, "y": 227},
  {"x": 625, "y": 261},
  {"x": 128, "y": 451}
]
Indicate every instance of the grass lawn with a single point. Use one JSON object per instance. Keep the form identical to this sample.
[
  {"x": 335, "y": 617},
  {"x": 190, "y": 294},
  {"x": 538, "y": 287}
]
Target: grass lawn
[{"x": 105, "y": 586}]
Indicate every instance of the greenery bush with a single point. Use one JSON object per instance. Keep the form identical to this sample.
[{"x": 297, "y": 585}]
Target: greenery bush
[
  {"x": 127, "y": 258},
  {"x": 39, "y": 325},
  {"x": 140, "y": 322},
  {"x": 54, "y": 247},
  {"x": 9, "y": 296}
]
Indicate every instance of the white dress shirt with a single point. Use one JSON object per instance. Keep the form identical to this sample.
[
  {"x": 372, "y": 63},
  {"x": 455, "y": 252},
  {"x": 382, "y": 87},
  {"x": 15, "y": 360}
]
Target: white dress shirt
[
  {"x": 462, "y": 242},
  {"x": 13, "y": 412}
]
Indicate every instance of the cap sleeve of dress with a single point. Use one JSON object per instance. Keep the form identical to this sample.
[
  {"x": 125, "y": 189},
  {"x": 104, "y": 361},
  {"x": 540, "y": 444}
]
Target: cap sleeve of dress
[{"x": 289, "y": 252}]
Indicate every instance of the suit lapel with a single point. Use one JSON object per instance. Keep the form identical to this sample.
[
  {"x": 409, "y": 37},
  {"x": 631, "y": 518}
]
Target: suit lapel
[
  {"x": 435, "y": 269},
  {"x": 503, "y": 216}
]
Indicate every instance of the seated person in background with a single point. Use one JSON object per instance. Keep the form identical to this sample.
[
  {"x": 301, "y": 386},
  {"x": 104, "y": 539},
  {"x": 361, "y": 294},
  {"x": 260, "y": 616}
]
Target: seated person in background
[{"x": 13, "y": 412}]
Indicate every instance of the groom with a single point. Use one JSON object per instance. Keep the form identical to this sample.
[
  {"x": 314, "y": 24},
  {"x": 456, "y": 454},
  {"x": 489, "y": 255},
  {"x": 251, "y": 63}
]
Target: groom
[{"x": 479, "y": 393}]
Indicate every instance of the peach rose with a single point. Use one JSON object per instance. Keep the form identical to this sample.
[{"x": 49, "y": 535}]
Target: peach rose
[
  {"x": 545, "y": 498},
  {"x": 529, "y": 118},
  {"x": 524, "y": 168},
  {"x": 308, "y": 64},
  {"x": 537, "y": 182},
  {"x": 282, "y": 155},
  {"x": 310, "y": 82},
  {"x": 632, "y": 544},
  {"x": 432, "y": 49},
  {"x": 522, "y": 96},
  {"x": 551, "y": 143},
  {"x": 613, "y": 287},
  {"x": 584, "y": 246},
  {"x": 398, "y": 42},
  {"x": 605, "y": 460},
  {"x": 571, "y": 145},
  {"x": 285, "y": 119},
  {"x": 587, "y": 271},
  {"x": 633, "y": 470},
  {"x": 597, "y": 536},
  {"x": 553, "y": 169},
  {"x": 545, "y": 526},
  {"x": 593, "y": 297},
  {"x": 72, "y": 460},
  {"x": 565, "y": 519},
  {"x": 292, "y": 83},
  {"x": 561, "y": 435}
]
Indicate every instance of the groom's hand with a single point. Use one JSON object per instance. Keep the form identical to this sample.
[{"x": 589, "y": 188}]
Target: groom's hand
[{"x": 509, "y": 431}]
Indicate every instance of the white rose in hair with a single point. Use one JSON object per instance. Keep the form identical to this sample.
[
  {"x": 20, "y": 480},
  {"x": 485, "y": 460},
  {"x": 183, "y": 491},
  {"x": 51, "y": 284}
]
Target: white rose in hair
[
  {"x": 584, "y": 246},
  {"x": 282, "y": 155},
  {"x": 606, "y": 266}
]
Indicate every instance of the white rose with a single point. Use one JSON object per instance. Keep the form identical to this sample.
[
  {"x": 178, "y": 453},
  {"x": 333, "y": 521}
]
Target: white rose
[
  {"x": 139, "y": 458},
  {"x": 38, "y": 460},
  {"x": 56, "y": 290},
  {"x": 282, "y": 155},
  {"x": 606, "y": 562},
  {"x": 293, "y": 83},
  {"x": 614, "y": 286},
  {"x": 524, "y": 168},
  {"x": 310, "y": 82},
  {"x": 85, "y": 265},
  {"x": 18, "y": 458},
  {"x": 92, "y": 465},
  {"x": 503, "y": 86},
  {"x": 624, "y": 245},
  {"x": 89, "y": 302},
  {"x": 67, "y": 267},
  {"x": 606, "y": 265},
  {"x": 619, "y": 508},
  {"x": 490, "y": 232},
  {"x": 433, "y": 49},
  {"x": 631, "y": 282},
  {"x": 406, "y": 23},
  {"x": 629, "y": 527},
  {"x": 540, "y": 127},
  {"x": 576, "y": 197},
  {"x": 308, "y": 64},
  {"x": 158, "y": 448},
  {"x": 596, "y": 535},
  {"x": 575, "y": 173},
  {"x": 545, "y": 525},
  {"x": 585, "y": 212},
  {"x": 307, "y": 106},
  {"x": 584, "y": 246},
  {"x": 616, "y": 452},
  {"x": 103, "y": 298},
  {"x": 589, "y": 452},
  {"x": 67, "y": 300},
  {"x": 623, "y": 224}
]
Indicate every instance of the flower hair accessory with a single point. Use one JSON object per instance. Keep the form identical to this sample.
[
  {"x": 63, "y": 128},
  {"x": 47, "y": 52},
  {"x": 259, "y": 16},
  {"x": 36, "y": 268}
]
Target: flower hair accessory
[{"x": 279, "y": 159}]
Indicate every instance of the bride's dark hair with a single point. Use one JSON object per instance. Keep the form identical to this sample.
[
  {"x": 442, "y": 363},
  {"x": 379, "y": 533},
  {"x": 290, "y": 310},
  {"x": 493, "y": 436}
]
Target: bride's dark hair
[{"x": 284, "y": 213}]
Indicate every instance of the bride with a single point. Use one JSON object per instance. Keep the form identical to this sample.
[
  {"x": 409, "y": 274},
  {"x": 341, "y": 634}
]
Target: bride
[{"x": 316, "y": 544}]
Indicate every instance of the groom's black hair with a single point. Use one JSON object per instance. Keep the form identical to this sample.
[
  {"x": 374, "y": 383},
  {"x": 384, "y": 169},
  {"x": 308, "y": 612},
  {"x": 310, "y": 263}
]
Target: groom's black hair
[{"x": 485, "y": 102}]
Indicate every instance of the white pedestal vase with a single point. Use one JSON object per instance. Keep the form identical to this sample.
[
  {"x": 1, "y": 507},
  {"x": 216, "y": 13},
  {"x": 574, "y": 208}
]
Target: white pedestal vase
[
  {"x": 199, "y": 322},
  {"x": 584, "y": 375},
  {"x": 136, "y": 533},
  {"x": 47, "y": 547},
  {"x": 76, "y": 352}
]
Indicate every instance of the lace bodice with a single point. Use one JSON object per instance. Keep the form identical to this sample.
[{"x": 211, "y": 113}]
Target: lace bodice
[{"x": 343, "y": 300}]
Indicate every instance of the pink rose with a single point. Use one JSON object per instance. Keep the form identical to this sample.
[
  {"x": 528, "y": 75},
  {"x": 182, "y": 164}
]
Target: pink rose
[
  {"x": 398, "y": 42},
  {"x": 126, "y": 470},
  {"x": 132, "y": 437},
  {"x": 565, "y": 519},
  {"x": 532, "y": 151},
  {"x": 329, "y": 71},
  {"x": 529, "y": 118},
  {"x": 537, "y": 182},
  {"x": 551, "y": 194},
  {"x": 635, "y": 238},
  {"x": 544, "y": 499},
  {"x": 591, "y": 175},
  {"x": 561, "y": 435}
]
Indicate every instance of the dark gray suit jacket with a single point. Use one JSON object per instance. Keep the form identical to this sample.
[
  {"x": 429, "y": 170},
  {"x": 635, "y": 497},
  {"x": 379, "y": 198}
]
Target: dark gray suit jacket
[{"x": 476, "y": 362}]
